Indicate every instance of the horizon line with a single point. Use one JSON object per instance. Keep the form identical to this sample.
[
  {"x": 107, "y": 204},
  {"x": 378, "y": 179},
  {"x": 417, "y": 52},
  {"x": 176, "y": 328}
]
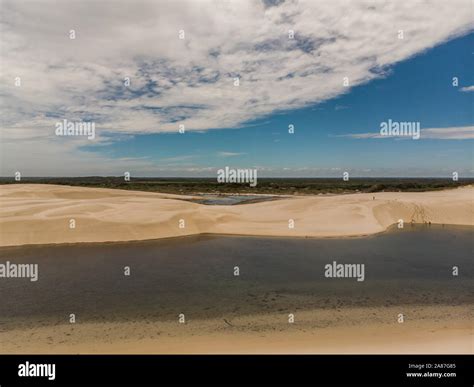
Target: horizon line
[{"x": 213, "y": 177}]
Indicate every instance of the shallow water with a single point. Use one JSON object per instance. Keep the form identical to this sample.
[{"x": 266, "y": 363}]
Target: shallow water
[
  {"x": 225, "y": 200},
  {"x": 195, "y": 275}
]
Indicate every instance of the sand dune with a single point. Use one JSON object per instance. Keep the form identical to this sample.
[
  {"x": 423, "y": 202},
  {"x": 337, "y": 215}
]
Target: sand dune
[{"x": 38, "y": 214}]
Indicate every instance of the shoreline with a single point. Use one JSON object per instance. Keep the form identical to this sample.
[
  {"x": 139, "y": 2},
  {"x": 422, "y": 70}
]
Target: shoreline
[
  {"x": 432, "y": 330},
  {"x": 389, "y": 229},
  {"x": 34, "y": 214}
]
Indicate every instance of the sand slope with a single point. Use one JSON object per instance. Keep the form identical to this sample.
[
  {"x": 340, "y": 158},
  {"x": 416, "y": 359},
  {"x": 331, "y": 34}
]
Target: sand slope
[{"x": 40, "y": 213}]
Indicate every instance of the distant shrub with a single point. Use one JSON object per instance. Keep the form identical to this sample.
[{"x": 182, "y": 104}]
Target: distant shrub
[{"x": 377, "y": 188}]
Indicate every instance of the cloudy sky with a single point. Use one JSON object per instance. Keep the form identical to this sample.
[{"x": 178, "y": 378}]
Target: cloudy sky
[{"x": 333, "y": 69}]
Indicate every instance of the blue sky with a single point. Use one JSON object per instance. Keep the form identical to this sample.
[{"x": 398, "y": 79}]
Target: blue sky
[
  {"x": 418, "y": 89},
  {"x": 182, "y": 59}
]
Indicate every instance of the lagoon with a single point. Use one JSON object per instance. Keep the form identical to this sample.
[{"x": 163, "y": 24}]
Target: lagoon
[{"x": 195, "y": 275}]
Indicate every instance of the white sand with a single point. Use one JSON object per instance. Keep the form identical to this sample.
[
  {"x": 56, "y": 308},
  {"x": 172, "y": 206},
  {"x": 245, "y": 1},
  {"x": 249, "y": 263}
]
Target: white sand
[{"x": 38, "y": 214}]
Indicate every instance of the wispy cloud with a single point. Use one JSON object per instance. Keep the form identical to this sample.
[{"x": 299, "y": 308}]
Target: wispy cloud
[
  {"x": 191, "y": 81},
  {"x": 454, "y": 133},
  {"x": 229, "y": 154},
  {"x": 467, "y": 88},
  {"x": 178, "y": 158}
]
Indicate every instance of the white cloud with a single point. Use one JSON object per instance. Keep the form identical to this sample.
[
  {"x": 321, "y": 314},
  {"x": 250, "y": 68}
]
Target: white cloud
[
  {"x": 229, "y": 154},
  {"x": 190, "y": 81},
  {"x": 454, "y": 133}
]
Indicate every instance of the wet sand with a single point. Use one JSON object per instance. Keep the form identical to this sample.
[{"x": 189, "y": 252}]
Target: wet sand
[
  {"x": 440, "y": 330},
  {"x": 407, "y": 271}
]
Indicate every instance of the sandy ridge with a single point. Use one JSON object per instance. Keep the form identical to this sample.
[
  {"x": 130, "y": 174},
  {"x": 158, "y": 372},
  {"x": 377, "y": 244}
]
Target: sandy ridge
[{"x": 40, "y": 214}]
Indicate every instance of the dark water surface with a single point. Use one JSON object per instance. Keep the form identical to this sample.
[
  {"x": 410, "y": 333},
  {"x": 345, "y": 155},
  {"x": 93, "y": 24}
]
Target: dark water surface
[
  {"x": 195, "y": 276},
  {"x": 226, "y": 200}
]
